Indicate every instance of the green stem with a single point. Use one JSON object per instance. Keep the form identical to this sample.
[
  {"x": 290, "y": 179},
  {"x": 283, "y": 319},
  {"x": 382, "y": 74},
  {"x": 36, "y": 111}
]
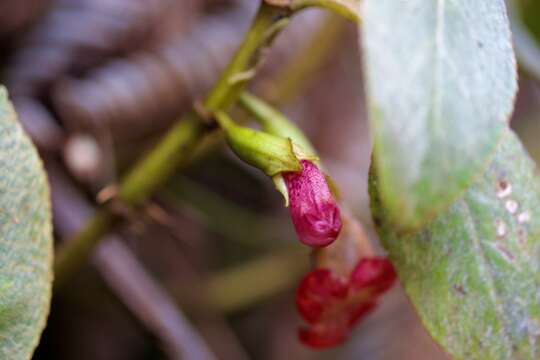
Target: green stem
[
  {"x": 70, "y": 257},
  {"x": 268, "y": 23},
  {"x": 162, "y": 161},
  {"x": 175, "y": 150},
  {"x": 349, "y": 9}
]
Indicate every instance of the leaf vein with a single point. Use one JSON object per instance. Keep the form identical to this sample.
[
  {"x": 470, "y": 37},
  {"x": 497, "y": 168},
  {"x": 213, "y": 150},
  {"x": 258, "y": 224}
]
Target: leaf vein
[{"x": 485, "y": 267}]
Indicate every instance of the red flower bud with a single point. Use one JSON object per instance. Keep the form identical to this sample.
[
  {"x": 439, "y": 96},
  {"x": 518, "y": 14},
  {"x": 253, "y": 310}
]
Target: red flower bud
[
  {"x": 333, "y": 305},
  {"x": 314, "y": 211}
]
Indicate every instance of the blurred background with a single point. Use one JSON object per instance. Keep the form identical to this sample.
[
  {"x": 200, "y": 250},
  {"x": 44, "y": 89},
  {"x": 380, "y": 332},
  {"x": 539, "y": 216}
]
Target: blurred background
[{"x": 212, "y": 261}]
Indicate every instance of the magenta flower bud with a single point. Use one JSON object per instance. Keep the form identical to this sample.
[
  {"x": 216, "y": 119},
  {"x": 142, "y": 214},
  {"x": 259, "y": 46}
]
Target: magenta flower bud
[{"x": 314, "y": 211}]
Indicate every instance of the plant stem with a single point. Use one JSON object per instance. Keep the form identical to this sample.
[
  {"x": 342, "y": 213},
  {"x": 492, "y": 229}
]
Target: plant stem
[
  {"x": 76, "y": 251},
  {"x": 127, "y": 278},
  {"x": 349, "y": 9},
  {"x": 175, "y": 150},
  {"x": 171, "y": 153},
  {"x": 268, "y": 23}
]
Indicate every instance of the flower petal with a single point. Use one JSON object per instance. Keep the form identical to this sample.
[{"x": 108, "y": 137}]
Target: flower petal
[
  {"x": 376, "y": 273},
  {"x": 322, "y": 336},
  {"x": 314, "y": 211},
  {"x": 318, "y": 291},
  {"x": 333, "y": 304}
]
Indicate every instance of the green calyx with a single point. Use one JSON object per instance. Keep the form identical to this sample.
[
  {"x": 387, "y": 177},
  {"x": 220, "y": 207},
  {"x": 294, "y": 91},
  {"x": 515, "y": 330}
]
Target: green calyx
[
  {"x": 274, "y": 122},
  {"x": 281, "y": 186},
  {"x": 270, "y": 153}
]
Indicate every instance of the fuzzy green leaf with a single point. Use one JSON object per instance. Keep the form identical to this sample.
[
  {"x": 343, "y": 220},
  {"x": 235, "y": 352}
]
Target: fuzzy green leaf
[
  {"x": 26, "y": 240},
  {"x": 441, "y": 81},
  {"x": 473, "y": 273}
]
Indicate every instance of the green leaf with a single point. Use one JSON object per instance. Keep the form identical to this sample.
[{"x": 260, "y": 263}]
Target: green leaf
[
  {"x": 26, "y": 240},
  {"x": 441, "y": 81},
  {"x": 473, "y": 273}
]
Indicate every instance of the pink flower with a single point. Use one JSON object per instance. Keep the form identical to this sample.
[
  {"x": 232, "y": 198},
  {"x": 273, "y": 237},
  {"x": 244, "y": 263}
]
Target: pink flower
[
  {"x": 313, "y": 209},
  {"x": 332, "y": 305}
]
